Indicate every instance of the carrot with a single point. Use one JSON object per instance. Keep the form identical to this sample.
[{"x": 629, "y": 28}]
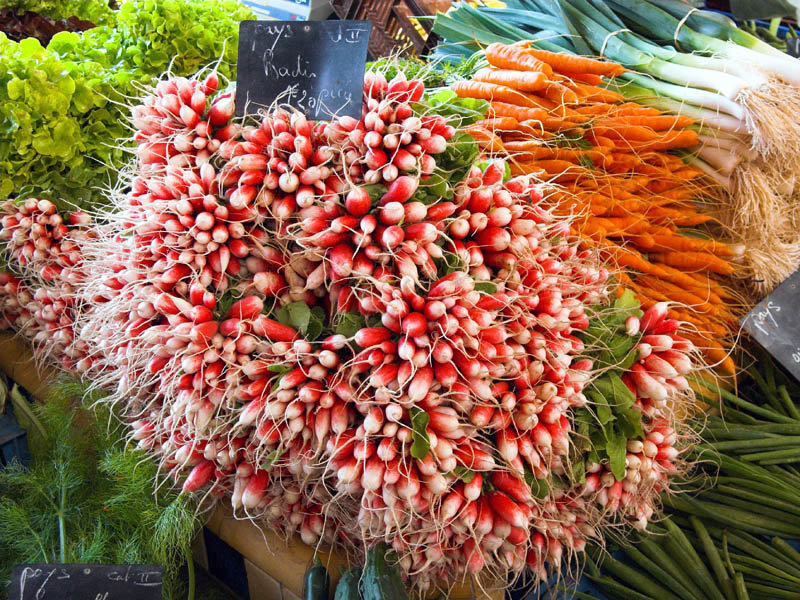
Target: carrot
[
  {"x": 535, "y": 127},
  {"x": 691, "y": 220},
  {"x": 626, "y": 132},
  {"x": 542, "y": 152},
  {"x": 695, "y": 261},
  {"x": 678, "y": 294},
  {"x": 559, "y": 124},
  {"x": 594, "y": 109},
  {"x": 632, "y": 108},
  {"x": 520, "y": 113},
  {"x": 668, "y": 141},
  {"x": 525, "y": 81},
  {"x": 597, "y": 94},
  {"x": 487, "y": 140},
  {"x": 682, "y": 243},
  {"x": 490, "y": 91},
  {"x": 523, "y": 145},
  {"x": 587, "y": 78},
  {"x": 622, "y": 162},
  {"x": 687, "y": 172},
  {"x": 515, "y": 57},
  {"x": 654, "y": 122},
  {"x": 601, "y": 140},
  {"x": 560, "y": 94},
  {"x": 627, "y": 257},
  {"x": 570, "y": 63},
  {"x": 499, "y": 124},
  {"x": 551, "y": 166},
  {"x": 714, "y": 351},
  {"x": 707, "y": 283},
  {"x": 631, "y": 225}
]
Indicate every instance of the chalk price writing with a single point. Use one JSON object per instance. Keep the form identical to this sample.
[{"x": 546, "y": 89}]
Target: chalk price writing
[
  {"x": 143, "y": 578},
  {"x": 350, "y": 35},
  {"x": 763, "y": 317},
  {"x": 324, "y": 101},
  {"x": 30, "y": 574},
  {"x": 301, "y": 68}
]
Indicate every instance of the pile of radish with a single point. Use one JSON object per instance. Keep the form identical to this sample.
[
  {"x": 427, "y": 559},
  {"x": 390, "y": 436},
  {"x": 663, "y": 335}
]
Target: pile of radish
[{"x": 292, "y": 315}]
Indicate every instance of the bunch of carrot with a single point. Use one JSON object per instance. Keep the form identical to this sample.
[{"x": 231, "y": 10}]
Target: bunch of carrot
[{"x": 635, "y": 201}]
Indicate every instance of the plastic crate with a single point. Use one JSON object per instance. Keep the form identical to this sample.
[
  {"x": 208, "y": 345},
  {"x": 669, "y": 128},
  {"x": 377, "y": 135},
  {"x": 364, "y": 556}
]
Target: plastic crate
[
  {"x": 13, "y": 439},
  {"x": 392, "y": 28}
]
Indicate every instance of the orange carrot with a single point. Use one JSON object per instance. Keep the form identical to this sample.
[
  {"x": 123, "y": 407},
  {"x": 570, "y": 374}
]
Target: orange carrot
[
  {"x": 520, "y": 113},
  {"x": 669, "y": 140},
  {"x": 487, "y": 140},
  {"x": 561, "y": 94},
  {"x": 595, "y": 109},
  {"x": 515, "y": 57},
  {"x": 682, "y": 243},
  {"x": 552, "y": 167},
  {"x": 570, "y": 63},
  {"x": 499, "y": 124},
  {"x": 626, "y": 132},
  {"x": 490, "y": 91},
  {"x": 525, "y": 81},
  {"x": 678, "y": 294},
  {"x": 695, "y": 261},
  {"x": 595, "y": 93},
  {"x": 558, "y": 124},
  {"x": 587, "y": 78},
  {"x": 655, "y": 122},
  {"x": 569, "y": 154}
]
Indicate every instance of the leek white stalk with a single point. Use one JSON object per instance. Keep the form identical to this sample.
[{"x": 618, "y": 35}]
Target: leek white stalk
[{"x": 722, "y": 159}]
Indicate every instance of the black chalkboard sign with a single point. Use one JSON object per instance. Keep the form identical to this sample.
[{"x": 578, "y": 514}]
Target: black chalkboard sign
[
  {"x": 793, "y": 46},
  {"x": 85, "y": 582},
  {"x": 775, "y": 323},
  {"x": 314, "y": 66}
]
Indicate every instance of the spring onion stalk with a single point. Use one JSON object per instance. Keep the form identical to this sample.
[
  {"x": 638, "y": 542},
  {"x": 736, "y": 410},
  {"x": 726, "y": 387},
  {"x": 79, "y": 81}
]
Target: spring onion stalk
[
  {"x": 665, "y": 26},
  {"x": 721, "y": 179},
  {"x": 724, "y": 160},
  {"x": 600, "y": 12},
  {"x": 702, "y": 98},
  {"x": 716, "y": 25},
  {"x": 727, "y": 144},
  {"x": 616, "y": 49}
]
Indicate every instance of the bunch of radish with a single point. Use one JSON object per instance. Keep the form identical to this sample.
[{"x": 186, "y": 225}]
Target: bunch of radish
[
  {"x": 44, "y": 249},
  {"x": 658, "y": 380},
  {"x": 286, "y": 319}
]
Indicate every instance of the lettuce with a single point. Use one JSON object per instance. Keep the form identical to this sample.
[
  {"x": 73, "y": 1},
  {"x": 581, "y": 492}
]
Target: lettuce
[{"x": 63, "y": 109}]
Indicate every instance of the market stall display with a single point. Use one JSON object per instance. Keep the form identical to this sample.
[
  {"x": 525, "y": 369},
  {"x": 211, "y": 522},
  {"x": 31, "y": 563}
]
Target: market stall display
[{"x": 464, "y": 336}]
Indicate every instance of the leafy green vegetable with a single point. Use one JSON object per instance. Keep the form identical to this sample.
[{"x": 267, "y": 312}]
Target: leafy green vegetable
[
  {"x": 350, "y": 323},
  {"x": 616, "y": 451},
  {"x": 89, "y": 497},
  {"x": 421, "y": 443},
  {"x": 299, "y": 316},
  {"x": 63, "y": 108},
  {"x": 604, "y": 432},
  {"x": 464, "y": 474},
  {"x": 271, "y": 458},
  {"x": 96, "y": 11},
  {"x": 449, "y": 263},
  {"x": 487, "y": 287}
]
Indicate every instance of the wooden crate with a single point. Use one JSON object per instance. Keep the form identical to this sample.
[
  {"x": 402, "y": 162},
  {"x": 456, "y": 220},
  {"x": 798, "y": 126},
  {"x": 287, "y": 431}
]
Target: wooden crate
[
  {"x": 393, "y": 30},
  {"x": 283, "y": 560}
]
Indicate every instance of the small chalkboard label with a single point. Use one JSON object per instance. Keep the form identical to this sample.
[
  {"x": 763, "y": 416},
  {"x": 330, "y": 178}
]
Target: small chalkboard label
[
  {"x": 314, "y": 66},
  {"x": 793, "y": 46},
  {"x": 775, "y": 323},
  {"x": 85, "y": 582}
]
